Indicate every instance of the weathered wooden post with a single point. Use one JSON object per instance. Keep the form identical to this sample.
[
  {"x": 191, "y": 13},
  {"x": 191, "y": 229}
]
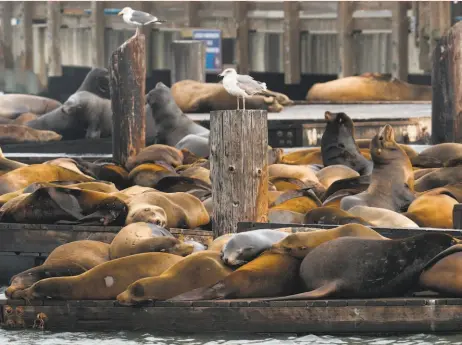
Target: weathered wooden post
[
  {"x": 188, "y": 60},
  {"x": 238, "y": 168},
  {"x": 446, "y": 87},
  {"x": 127, "y": 70},
  {"x": 55, "y": 68},
  {"x": 6, "y": 34}
]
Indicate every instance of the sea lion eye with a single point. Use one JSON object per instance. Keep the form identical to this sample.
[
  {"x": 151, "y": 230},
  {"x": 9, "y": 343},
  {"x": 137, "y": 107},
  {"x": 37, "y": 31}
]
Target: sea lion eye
[
  {"x": 146, "y": 209},
  {"x": 158, "y": 222},
  {"x": 381, "y": 138}
]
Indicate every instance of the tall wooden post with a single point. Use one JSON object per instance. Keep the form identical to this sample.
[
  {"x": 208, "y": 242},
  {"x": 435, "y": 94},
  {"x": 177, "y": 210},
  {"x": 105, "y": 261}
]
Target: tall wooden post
[
  {"x": 238, "y": 168},
  {"x": 291, "y": 42},
  {"x": 127, "y": 71},
  {"x": 188, "y": 60},
  {"x": 345, "y": 38},
  {"x": 6, "y": 33},
  {"x": 399, "y": 41},
  {"x": 97, "y": 33},
  {"x": 25, "y": 59},
  {"x": 447, "y": 88},
  {"x": 242, "y": 36},
  {"x": 53, "y": 38}
]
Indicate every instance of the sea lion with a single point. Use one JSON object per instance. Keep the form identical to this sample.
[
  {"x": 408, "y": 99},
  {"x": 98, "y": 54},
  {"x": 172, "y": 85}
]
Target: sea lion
[
  {"x": 368, "y": 87},
  {"x": 301, "y": 172},
  {"x": 245, "y": 246},
  {"x": 285, "y": 216},
  {"x": 219, "y": 242},
  {"x": 422, "y": 172},
  {"x": 148, "y": 175},
  {"x": 69, "y": 164},
  {"x": 142, "y": 237},
  {"x": 351, "y": 267},
  {"x": 308, "y": 156},
  {"x": 438, "y": 178},
  {"x": 195, "y": 270},
  {"x": 392, "y": 179},
  {"x": 184, "y": 184},
  {"x": 452, "y": 190},
  {"x": 17, "y": 134},
  {"x": 271, "y": 274},
  {"x": 24, "y": 176},
  {"x": 13, "y": 105},
  {"x": 104, "y": 281},
  {"x": 300, "y": 201},
  {"x": 436, "y": 155},
  {"x": 441, "y": 274},
  {"x": 172, "y": 210},
  {"x": 432, "y": 211},
  {"x": 155, "y": 153},
  {"x": 197, "y": 172},
  {"x": 338, "y": 144},
  {"x": 357, "y": 184},
  {"x": 301, "y": 243},
  {"x": 366, "y": 143},
  {"x": 48, "y": 205},
  {"x": 23, "y": 118},
  {"x": 196, "y": 246},
  {"x": 193, "y": 96},
  {"x": 7, "y": 165},
  {"x": 382, "y": 217},
  {"x": 199, "y": 144},
  {"x": 97, "y": 82},
  {"x": 332, "y": 216},
  {"x": 332, "y": 173},
  {"x": 106, "y": 171},
  {"x": 68, "y": 259}
]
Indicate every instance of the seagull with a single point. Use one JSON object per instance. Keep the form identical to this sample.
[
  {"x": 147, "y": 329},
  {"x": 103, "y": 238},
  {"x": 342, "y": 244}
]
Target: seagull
[
  {"x": 138, "y": 18},
  {"x": 240, "y": 85}
]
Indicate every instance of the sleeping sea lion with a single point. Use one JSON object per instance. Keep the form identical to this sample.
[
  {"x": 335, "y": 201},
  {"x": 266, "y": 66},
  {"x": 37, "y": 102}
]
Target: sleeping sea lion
[
  {"x": 432, "y": 211},
  {"x": 104, "y": 281},
  {"x": 154, "y": 153},
  {"x": 17, "y": 134},
  {"x": 149, "y": 174},
  {"x": 68, "y": 259},
  {"x": 438, "y": 178},
  {"x": 332, "y": 216},
  {"x": 435, "y": 156},
  {"x": 13, "y": 105},
  {"x": 332, "y": 173},
  {"x": 382, "y": 217},
  {"x": 196, "y": 270},
  {"x": 219, "y": 242}
]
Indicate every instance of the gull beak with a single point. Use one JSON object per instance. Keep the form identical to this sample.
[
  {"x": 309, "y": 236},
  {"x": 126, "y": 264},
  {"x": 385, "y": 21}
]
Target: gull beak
[
  {"x": 120, "y": 13},
  {"x": 220, "y": 75}
]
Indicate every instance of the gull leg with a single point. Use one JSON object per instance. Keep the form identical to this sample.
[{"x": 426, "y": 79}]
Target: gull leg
[
  {"x": 237, "y": 97},
  {"x": 243, "y": 101},
  {"x": 137, "y": 31}
]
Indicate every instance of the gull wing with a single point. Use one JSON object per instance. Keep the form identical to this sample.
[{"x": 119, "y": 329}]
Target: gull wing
[
  {"x": 142, "y": 17},
  {"x": 250, "y": 85}
]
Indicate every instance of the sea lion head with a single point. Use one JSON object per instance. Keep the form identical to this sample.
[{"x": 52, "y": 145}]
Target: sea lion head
[
  {"x": 339, "y": 119},
  {"x": 239, "y": 250},
  {"x": 45, "y": 288},
  {"x": 133, "y": 294},
  {"x": 157, "y": 96},
  {"x": 149, "y": 214},
  {"x": 166, "y": 244},
  {"x": 384, "y": 147}
]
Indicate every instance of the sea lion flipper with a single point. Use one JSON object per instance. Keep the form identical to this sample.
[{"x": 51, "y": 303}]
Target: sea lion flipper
[
  {"x": 451, "y": 250},
  {"x": 216, "y": 291},
  {"x": 321, "y": 292},
  {"x": 66, "y": 201}
]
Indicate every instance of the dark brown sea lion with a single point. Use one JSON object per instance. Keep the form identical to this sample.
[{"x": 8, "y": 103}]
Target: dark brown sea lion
[
  {"x": 13, "y": 105},
  {"x": 69, "y": 259},
  {"x": 438, "y": 178},
  {"x": 48, "y": 205},
  {"x": 15, "y": 134},
  {"x": 154, "y": 153},
  {"x": 351, "y": 267},
  {"x": 432, "y": 211},
  {"x": 368, "y": 87},
  {"x": 366, "y": 143},
  {"x": 97, "y": 82},
  {"x": 332, "y": 216},
  {"x": 149, "y": 174},
  {"x": 105, "y": 170},
  {"x": 338, "y": 144},
  {"x": 357, "y": 184},
  {"x": 392, "y": 179},
  {"x": 436, "y": 155},
  {"x": 300, "y": 201},
  {"x": 418, "y": 173},
  {"x": 145, "y": 237},
  {"x": 104, "y": 281},
  {"x": 184, "y": 184},
  {"x": 271, "y": 274}
]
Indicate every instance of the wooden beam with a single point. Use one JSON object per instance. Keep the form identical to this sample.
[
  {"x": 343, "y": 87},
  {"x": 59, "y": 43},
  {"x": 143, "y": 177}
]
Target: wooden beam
[
  {"x": 238, "y": 168},
  {"x": 291, "y": 42},
  {"x": 399, "y": 41},
  {"x": 25, "y": 59},
  {"x": 53, "y": 39},
  {"x": 192, "y": 19},
  {"x": 241, "y": 20},
  {"x": 97, "y": 34},
  {"x": 6, "y": 32},
  {"x": 424, "y": 36},
  {"x": 127, "y": 71},
  {"x": 188, "y": 61},
  {"x": 345, "y": 39}
]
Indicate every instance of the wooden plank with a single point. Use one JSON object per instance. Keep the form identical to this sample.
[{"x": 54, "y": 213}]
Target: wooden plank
[
  {"x": 188, "y": 60},
  {"x": 291, "y": 42},
  {"x": 241, "y": 22},
  {"x": 25, "y": 59},
  {"x": 399, "y": 41},
  {"x": 447, "y": 90},
  {"x": 238, "y": 168},
  {"x": 397, "y": 315},
  {"x": 345, "y": 39},
  {"x": 53, "y": 39},
  {"x": 97, "y": 34},
  {"x": 6, "y": 33},
  {"x": 127, "y": 73}
]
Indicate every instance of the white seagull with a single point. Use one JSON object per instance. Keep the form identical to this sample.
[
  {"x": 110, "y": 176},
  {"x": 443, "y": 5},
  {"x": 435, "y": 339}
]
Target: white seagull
[
  {"x": 138, "y": 18},
  {"x": 240, "y": 85}
]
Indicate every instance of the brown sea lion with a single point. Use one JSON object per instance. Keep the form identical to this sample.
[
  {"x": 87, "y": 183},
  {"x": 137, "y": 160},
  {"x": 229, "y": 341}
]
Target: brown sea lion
[
  {"x": 300, "y": 201},
  {"x": 432, "y": 211},
  {"x": 332, "y": 173},
  {"x": 196, "y": 270},
  {"x": 300, "y": 172},
  {"x": 354, "y": 184},
  {"x": 184, "y": 184},
  {"x": 172, "y": 210},
  {"x": 382, "y": 217},
  {"x": 442, "y": 273},
  {"x": 16, "y": 133},
  {"x": 301, "y": 243},
  {"x": 368, "y": 87},
  {"x": 275, "y": 155},
  {"x": 148, "y": 174},
  {"x": 311, "y": 155},
  {"x": 338, "y": 145},
  {"x": 193, "y": 96},
  {"x": 106, "y": 170},
  {"x": 68, "y": 163},
  {"x": 155, "y": 153},
  {"x": 452, "y": 190},
  {"x": 436, "y": 155},
  {"x": 438, "y": 178},
  {"x": 352, "y": 267},
  {"x": 48, "y": 205},
  {"x": 285, "y": 217},
  {"x": 197, "y": 172},
  {"x": 145, "y": 237},
  {"x": 271, "y": 274},
  {"x": 24, "y": 176},
  {"x": 7, "y": 165},
  {"x": 104, "y": 281},
  {"x": 332, "y": 216},
  {"x": 12, "y": 105},
  {"x": 392, "y": 179},
  {"x": 23, "y": 118},
  {"x": 422, "y": 172},
  {"x": 68, "y": 259}
]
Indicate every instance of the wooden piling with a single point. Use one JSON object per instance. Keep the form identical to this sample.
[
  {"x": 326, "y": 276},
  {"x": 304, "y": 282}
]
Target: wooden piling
[
  {"x": 188, "y": 60},
  {"x": 446, "y": 87},
  {"x": 25, "y": 60},
  {"x": 6, "y": 32},
  {"x": 127, "y": 70},
  {"x": 291, "y": 34},
  {"x": 53, "y": 37},
  {"x": 241, "y": 22},
  {"x": 238, "y": 168},
  {"x": 399, "y": 41},
  {"x": 97, "y": 33},
  {"x": 345, "y": 39}
]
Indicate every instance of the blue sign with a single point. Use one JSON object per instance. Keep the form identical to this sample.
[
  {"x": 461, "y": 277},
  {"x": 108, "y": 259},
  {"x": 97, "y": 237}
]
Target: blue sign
[{"x": 212, "y": 39}]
